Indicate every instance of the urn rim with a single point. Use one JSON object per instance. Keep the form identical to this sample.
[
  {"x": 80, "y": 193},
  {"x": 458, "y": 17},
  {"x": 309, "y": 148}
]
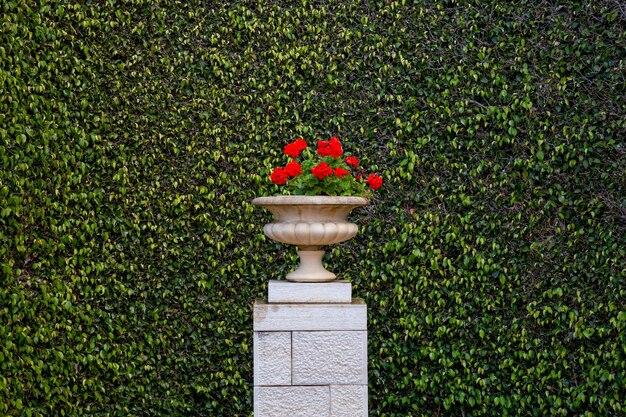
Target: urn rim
[{"x": 310, "y": 200}]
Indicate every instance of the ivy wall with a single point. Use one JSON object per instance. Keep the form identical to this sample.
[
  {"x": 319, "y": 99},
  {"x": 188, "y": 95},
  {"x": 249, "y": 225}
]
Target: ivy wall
[{"x": 134, "y": 134}]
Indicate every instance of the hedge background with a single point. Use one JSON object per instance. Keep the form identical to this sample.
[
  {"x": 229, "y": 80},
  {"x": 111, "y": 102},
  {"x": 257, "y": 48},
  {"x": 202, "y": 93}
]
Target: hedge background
[{"x": 134, "y": 134}]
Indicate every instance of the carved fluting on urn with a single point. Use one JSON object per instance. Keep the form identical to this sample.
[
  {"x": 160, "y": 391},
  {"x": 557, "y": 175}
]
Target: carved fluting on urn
[{"x": 311, "y": 234}]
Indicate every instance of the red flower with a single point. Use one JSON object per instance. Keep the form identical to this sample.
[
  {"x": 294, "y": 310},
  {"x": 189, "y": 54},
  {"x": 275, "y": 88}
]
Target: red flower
[
  {"x": 279, "y": 176},
  {"x": 352, "y": 161},
  {"x": 330, "y": 148},
  {"x": 322, "y": 170},
  {"x": 295, "y": 148},
  {"x": 293, "y": 169},
  {"x": 374, "y": 181},
  {"x": 340, "y": 172}
]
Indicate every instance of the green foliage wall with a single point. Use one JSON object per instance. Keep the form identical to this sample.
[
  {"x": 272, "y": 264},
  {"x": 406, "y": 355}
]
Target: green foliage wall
[{"x": 134, "y": 134}]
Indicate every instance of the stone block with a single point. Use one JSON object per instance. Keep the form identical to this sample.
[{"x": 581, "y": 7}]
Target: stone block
[
  {"x": 329, "y": 358},
  {"x": 272, "y": 358},
  {"x": 309, "y": 292},
  {"x": 311, "y": 401},
  {"x": 313, "y": 317},
  {"x": 348, "y": 401}
]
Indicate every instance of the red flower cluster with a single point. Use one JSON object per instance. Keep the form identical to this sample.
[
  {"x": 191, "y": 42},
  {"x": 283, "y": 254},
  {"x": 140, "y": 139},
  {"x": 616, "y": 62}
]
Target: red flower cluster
[
  {"x": 322, "y": 170},
  {"x": 331, "y": 147},
  {"x": 374, "y": 181},
  {"x": 352, "y": 161},
  {"x": 295, "y": 148},
  {"x": 342, "y": 170},
  {"x": 279, "y": 176},
  {"x": 293, "y": 169}
]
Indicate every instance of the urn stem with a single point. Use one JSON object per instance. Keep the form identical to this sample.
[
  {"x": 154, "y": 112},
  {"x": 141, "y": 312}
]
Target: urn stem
[{"x": 311, "y": 268}]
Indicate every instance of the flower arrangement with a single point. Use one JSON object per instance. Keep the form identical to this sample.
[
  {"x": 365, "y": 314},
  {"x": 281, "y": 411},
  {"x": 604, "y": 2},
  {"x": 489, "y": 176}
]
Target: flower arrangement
[{"x": 328, "y": 172}]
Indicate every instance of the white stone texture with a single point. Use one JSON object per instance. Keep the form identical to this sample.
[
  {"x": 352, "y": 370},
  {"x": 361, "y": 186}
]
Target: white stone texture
[
  {"x": 311, "y": 401},
  {"x": 272, "y": 358},
  {"x": 348, "y": 401},
  {"x": 312, "y": 317},
  {"x": 305, "y": 292},
  {"x": 329, "y": 358}
]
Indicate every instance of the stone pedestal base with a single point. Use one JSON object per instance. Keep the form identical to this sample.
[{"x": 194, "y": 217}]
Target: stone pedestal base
[{"x": 310, "y": 359}]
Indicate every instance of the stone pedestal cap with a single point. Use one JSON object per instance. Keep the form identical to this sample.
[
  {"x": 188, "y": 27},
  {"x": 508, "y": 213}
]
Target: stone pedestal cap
[{"x": 313, "y": 292}]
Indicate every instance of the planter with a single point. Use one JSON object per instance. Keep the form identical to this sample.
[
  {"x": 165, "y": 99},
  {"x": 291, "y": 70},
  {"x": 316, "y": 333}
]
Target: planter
[{"x": 310, "y": 222}]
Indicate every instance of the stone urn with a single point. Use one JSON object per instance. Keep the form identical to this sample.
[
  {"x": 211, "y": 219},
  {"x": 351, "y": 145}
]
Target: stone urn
[{"x": 310, "y": 222}]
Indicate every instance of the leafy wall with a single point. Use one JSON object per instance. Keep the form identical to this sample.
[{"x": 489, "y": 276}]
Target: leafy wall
[{"x": 134, "y": 134}]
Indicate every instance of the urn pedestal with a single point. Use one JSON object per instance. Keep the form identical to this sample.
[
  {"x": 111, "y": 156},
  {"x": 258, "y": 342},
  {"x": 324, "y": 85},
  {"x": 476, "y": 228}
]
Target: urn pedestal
[{"x": 310, "y": 351}]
